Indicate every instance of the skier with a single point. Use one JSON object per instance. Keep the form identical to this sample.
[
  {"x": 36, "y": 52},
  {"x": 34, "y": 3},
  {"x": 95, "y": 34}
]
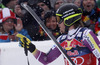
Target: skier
[{"x": 80, "y": 43}]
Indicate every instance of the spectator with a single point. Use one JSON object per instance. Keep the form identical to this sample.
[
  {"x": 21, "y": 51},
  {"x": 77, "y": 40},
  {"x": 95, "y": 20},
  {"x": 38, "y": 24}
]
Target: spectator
[
  {"x": 45, "y": 4},
  {"x": 18, "y": 11},
  {"x": 51, "y": 23},
  {"x": 56, "y": 3},
  {"x": 29, "y": 23},
  {"x": 91, "y": 13},
  {"x": 10, "y": 26},
  {"x": 39, "y": 11},
  {"x": 9, "y": 4},
  {"x": 77, "y": 2}
]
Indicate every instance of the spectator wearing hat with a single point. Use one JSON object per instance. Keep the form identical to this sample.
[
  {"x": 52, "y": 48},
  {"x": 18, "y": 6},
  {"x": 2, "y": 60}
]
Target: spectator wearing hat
[{"x": 10, "y": 26}]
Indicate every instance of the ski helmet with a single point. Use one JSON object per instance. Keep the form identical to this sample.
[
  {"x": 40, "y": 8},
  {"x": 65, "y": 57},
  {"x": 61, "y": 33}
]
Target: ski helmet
[{"x": 69, "y": 13}]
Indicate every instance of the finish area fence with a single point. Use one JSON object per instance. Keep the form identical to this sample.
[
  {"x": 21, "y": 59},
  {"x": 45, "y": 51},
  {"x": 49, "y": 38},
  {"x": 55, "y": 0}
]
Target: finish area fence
[{"x": 12, "y": 54}]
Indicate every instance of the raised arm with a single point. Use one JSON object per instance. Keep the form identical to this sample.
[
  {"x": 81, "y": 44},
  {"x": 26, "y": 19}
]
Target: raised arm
[{"x": 44, "y": 58}]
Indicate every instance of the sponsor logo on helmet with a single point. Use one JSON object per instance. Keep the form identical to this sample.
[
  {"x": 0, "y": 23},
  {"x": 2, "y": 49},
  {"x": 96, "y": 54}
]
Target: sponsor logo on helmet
[{"x": 68, "y": 13}]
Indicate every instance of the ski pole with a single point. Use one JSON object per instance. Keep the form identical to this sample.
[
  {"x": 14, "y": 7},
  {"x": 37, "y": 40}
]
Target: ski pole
[
  {"x": 40, "y": 22},
  {"x": 26, "y": 51}
]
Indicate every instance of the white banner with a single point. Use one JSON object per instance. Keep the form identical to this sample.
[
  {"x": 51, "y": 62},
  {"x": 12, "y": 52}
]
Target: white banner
[{"x": 12, "y": 54}]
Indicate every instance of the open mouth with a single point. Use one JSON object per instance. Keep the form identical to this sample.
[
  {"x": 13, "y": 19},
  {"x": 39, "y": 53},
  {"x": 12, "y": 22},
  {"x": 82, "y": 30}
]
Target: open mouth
[{"x": 88, "y": 6}]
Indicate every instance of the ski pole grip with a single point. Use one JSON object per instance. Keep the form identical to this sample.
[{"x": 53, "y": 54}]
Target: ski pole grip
[{"x": 25, "y": 48}]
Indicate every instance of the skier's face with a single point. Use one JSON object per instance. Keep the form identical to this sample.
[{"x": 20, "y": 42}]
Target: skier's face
[{"x": 62, "y": 27}]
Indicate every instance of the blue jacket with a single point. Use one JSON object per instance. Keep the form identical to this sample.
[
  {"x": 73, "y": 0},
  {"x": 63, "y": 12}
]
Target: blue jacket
[{"x": 23, "y": 32}]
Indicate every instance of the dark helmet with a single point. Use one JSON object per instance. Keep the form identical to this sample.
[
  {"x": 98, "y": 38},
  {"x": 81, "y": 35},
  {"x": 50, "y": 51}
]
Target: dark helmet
[{"x": 69, "y": 13}]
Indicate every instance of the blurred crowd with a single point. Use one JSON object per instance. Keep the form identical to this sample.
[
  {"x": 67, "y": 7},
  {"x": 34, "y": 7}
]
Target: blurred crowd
[{"x": 15, "y": 19}]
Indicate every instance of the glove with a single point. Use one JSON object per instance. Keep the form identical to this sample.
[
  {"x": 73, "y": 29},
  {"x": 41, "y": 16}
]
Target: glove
[{"x": 25, "y": 42}]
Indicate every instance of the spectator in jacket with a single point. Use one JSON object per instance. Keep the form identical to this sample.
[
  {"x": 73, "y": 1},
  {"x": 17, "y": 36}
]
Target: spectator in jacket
[
  {"x": 29, "y": 23},
  {"x": 51, "y": 23},
  {"x": 91, "y": 13},
  {"x": 10, "y": 26}
]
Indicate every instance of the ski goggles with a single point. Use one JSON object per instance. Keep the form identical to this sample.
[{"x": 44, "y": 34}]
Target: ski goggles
[
  {"x": 59, "y": 20},
  {"x": 68, "y": 21}
]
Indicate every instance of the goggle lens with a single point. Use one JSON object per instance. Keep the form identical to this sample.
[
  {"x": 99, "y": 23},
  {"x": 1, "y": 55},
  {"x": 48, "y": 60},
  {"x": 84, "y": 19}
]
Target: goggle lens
[{"x": 58, "y": 19}]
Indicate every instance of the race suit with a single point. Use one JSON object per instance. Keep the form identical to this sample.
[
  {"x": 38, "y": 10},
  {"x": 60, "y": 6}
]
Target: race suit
[{"x": 81, "y": 45}]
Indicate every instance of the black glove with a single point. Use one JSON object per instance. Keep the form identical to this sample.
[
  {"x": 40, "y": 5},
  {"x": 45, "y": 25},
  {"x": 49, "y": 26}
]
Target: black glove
[{"x": 25, "y": 42}]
